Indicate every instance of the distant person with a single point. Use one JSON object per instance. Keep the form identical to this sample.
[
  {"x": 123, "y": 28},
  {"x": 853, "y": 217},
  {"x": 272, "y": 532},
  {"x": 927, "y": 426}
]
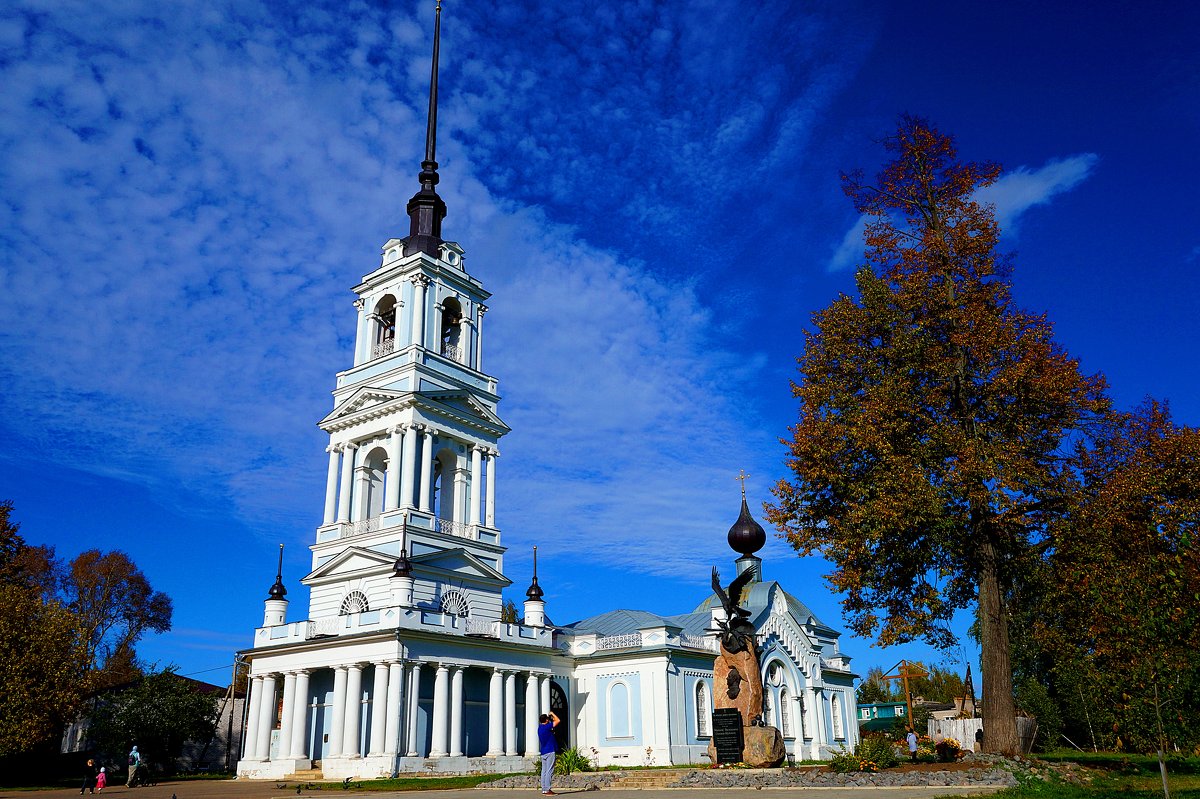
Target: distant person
[
  {"x": 89, "y": 777},
  {"x": 101, "y": 780},
  {"x": 135, "y": 763},
  {"x": 912, "y": 744},
  {"x": 546, "y": 745},
  {"x": 979, "y": 740}
]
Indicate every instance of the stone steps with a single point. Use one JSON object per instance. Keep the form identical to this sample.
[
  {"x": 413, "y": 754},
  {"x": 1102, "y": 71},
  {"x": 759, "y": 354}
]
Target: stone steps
[
  {"x": 309, "y": 775},
  {"x": 647, "y": 780}
]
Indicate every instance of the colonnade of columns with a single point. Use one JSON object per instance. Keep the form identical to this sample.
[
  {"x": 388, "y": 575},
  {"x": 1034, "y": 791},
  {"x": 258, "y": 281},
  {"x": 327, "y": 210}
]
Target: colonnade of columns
[
  {"x": 411, "y": 485},
  {"x": 369, "y": 323},
  {"x": 395, "y": 694}
]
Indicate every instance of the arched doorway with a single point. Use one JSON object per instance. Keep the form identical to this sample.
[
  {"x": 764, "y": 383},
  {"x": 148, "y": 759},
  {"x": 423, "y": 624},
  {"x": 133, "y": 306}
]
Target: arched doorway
[{"x": 558, "y": 706}]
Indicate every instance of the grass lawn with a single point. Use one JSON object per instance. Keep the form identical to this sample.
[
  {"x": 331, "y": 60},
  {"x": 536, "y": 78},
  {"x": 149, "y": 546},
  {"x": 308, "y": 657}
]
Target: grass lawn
[
  {"x": 410, "y": 783},
  {"x": 1116, "y": 776}
]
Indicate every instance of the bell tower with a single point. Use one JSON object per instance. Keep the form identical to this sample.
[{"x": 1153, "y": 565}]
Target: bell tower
[{"x": 414, "y": 433}]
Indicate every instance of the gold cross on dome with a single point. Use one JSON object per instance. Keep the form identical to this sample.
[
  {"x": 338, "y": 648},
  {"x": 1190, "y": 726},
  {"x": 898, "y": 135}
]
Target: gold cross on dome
[{"x": 742, "y": 476}]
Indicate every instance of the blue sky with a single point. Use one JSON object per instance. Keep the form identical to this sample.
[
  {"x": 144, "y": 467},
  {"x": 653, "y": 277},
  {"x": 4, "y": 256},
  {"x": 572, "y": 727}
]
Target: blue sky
[{"x": 650, "y": 189}]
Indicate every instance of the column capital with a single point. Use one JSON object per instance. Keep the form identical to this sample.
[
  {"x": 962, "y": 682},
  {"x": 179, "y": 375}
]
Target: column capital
[
  {"x": 398, "y": 430},
  {"x": 483, "y": 309},
  {"x": 349, "y": 446},
  {"x": 360, "y": 303},
  {"x": 420, "y": 280}
]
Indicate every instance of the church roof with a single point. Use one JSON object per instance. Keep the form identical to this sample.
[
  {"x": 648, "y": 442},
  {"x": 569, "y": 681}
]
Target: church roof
[
  {"x": 620, "y": 622},
  {"x": 757, "y": 598}
]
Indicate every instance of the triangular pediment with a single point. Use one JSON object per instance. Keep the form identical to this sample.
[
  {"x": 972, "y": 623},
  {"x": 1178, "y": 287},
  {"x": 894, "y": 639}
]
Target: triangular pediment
[
  {"x": 350, "y": 561},
  {"x": 458, "y": 563},
  {"x": 465, "y": 403},
  {"x": 366, "y": 398}
]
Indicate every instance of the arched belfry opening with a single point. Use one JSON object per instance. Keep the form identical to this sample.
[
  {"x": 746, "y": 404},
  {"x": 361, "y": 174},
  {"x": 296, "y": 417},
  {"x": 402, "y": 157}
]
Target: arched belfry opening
[
  {"x": 444, "y": 464},
  {"x": 384, "y": 319},
  {"x": 452, "y": 328},
  {"x": 372, "y": 483}
]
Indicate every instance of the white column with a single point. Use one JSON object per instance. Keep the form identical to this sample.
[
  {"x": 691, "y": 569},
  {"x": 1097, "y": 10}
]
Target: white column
[
  {"x": 331, "y": 485},
  {"x": 415, "y": 747},
  {"x": 490, "y": 521},
  {"x": 456, "y": 711},
  {"x": 337, "y": 724},
  {"x": 459, "y": 511},
  {"x": 464, "y": 340},
  {"x": 266, "y": 718},
  {"x": 476, "y": 483},
  {"x": 479, "y": 339},
  {"x": 531, "y": 715},
  {"x": 362, "y": 482},
  {"x": 420, "y": 283},
  {"x": 343, "y": 514},
  {"x": 391, "y": 499},
  {"x": 362, "y": 340},
  {"x": 510, "y": 713},
  {"x": 250, "y": 747},
  {"x": 299, "y": 743},
  {"x": 353, "y": 711},
  {"x": 285, "y": 718},
  {"x": 496, "y": 714},
  {"x": 441, "y": 689},
  {"x": 379, "y": 706},
  {"x": 544, "y": 685},
  {"x": 426, "y": 484},
  {"x": 410, "y": 466},
  {"x": 395, "y": 701}
]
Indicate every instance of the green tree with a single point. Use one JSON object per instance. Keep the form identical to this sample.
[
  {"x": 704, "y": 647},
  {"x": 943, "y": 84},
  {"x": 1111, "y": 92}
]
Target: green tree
[
  {"x": 1119, "y": 611},
  {"x": 41, "y": 661},
  {"x": 509, "y": 613},
  {"x": 1034, "y": 699},
  {"x": 873, "y": 688},
  {"x": 158, "y": 713},
  {"x": 926, "y": 457}
]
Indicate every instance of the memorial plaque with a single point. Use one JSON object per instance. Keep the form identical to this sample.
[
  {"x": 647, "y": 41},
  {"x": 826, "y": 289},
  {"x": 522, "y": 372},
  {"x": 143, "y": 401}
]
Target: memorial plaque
[{"x": 727, "y": 734}]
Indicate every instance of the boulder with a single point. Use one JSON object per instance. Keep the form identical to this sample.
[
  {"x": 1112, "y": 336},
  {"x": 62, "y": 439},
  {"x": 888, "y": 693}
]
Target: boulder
[{"x": 764, "y": 747}]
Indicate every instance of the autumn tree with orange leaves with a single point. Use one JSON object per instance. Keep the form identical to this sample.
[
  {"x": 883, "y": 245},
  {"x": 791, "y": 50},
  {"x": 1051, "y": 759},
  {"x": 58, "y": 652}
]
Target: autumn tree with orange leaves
[
  {"x": 1117, "y": 608},
  {"x": 926, "y": 461}
]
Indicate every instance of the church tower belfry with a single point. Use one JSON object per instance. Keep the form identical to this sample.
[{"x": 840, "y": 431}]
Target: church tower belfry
[{"x": 414, "y": 432}]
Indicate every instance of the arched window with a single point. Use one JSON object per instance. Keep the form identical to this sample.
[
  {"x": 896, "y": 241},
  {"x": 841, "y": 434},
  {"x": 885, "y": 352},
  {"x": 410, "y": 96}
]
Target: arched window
[
  {"x": 455, "y": 603},
  {"x": 384, "y": 321},
  {"x": 619, "y": 711},
  {"x": 374, "y": 468},
  {"x": 768, "y": 709},
  {"x": 785, "y": 713},
  {"x": 355, "y": 602},
  {"x": 452, "y": 315},
  {"x": 443, "y": 485},
  {"x": 703, "y": 718},
  {"x": 835, "y": 710}
]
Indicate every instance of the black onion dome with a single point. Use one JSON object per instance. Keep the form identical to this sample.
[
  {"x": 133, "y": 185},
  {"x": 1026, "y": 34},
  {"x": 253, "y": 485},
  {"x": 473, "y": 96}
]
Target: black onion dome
[
  {"x": 746, "y": 536},
  {"x": 403, "y": 566},
  {"x": 535, "y": 591}
]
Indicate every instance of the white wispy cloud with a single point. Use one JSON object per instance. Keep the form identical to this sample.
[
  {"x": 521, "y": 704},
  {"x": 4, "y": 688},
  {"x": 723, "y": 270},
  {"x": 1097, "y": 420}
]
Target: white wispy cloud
[
  {"x": 188, "y": 193},
  {"x": 1011, "y": 195},
  {"x": 1024, "y": 188}
]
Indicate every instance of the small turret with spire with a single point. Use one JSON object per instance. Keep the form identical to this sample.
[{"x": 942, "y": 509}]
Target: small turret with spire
[
  {"x": 426, "y": 209},
  {"x": 275, "y": 608},
  {"x": 535, "y": 607}
]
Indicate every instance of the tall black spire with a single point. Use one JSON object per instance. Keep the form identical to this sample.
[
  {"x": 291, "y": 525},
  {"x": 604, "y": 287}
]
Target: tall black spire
[
  {"x": 278, "y": 591},
  {"x": 426, "y": 210},
  {"x": 535, "y": 591}
]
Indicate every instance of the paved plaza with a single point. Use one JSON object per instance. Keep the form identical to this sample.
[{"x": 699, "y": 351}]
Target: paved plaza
[{"x": 269, "y": 789}]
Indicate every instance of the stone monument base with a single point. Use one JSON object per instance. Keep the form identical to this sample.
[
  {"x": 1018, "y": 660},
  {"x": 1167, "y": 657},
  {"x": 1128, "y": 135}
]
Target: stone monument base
[{"x": 763, "y": 748}]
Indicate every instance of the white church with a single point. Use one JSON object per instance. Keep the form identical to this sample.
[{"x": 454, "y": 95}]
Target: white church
[{"x": 403, "y": 663}]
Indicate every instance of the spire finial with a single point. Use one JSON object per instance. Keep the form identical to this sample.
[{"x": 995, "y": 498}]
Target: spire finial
[
  {"x": 741, "y": 475},
  {"x": 426, "y": 209},
  {"x": 535, "y": 591},
  {"x": 278, "y": 591}
]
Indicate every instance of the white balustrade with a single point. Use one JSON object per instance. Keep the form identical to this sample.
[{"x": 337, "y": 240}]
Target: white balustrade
[
  {"x": 453, "y": 527},
  {"x": 347, "y": 529},
  {"x": 627, "y": 641},
  {"x": 320, "y": 628},
  {"x": 451, "y": 351},
  {"x": 707, "y": 643},
  {"x": 491, "y": 629},
  {"x": 383, "y": 348}
]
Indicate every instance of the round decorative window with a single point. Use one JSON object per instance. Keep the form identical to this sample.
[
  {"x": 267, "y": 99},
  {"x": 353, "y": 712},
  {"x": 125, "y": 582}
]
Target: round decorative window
[
  {"x": 455, "y": 603},
  {"x": 355, "y": 602}
]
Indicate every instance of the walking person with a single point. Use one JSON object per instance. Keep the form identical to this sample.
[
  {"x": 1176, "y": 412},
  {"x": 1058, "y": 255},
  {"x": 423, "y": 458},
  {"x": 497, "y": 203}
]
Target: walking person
[
  {"x": 89, "y": 777},
  {"x": 912, "y": 744},
  {"x": 135, "y": 762},
  {"x": 547, "y": 746},
  {"x": 101, "y": 780}
]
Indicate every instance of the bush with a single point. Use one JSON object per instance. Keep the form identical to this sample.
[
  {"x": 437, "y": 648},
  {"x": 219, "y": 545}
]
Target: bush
[
  {"x": 1034, "y": 699},
  {"x": 570, "y": 760},
  {"x": 873, "y": 753}
]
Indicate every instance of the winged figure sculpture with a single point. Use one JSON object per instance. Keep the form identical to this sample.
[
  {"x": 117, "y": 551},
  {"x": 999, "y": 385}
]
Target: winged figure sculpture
[{"x": 737, "y": 633}]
